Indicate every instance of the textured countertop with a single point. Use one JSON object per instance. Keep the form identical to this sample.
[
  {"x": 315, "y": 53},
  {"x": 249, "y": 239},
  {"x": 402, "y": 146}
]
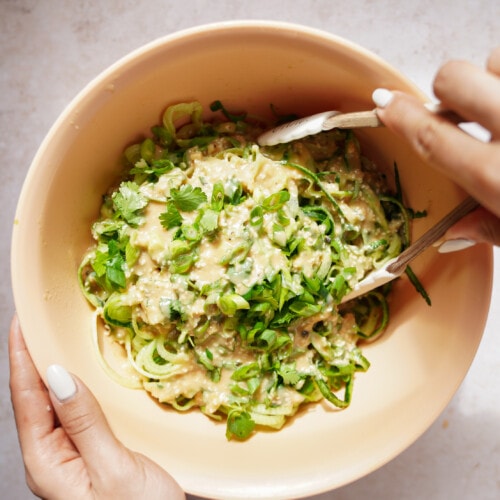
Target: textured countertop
[{"x": 49, "y": 49}]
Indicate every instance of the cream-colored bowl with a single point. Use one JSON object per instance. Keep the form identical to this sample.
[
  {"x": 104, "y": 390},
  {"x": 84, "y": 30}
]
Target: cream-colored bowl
[{"x": 416, "y": 367}]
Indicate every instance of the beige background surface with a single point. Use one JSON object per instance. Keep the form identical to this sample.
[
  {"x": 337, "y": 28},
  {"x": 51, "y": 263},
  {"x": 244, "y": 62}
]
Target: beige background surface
[{"x": 49, "y": 49}]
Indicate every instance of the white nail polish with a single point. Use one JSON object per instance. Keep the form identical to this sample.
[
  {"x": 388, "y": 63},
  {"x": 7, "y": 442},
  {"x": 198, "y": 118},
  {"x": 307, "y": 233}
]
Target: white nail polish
[
  {"x": 61, "y": 383},
  {"x": 455, "y": 245},
  {"x": 382, "y": 97}
]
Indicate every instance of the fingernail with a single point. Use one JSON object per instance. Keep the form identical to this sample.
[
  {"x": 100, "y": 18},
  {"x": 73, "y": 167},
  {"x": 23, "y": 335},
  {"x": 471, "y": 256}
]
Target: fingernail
[
  {"x": 60, "y": 382},
  {"x": 455, "y": 245},
  {"x": 382, "y": 97}
]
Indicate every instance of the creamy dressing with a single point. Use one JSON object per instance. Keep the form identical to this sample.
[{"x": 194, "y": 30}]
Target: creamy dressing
[
  {"x": 263, "y": 259},
  {"x": 153, "y": 286},
  {"x": 262, "y": 175},
  {"x": 184, "y": 272}
]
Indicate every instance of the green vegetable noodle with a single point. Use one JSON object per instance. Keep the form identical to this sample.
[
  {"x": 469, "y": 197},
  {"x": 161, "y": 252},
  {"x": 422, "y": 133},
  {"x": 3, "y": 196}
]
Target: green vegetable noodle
[{"x": 219, "y": 267}]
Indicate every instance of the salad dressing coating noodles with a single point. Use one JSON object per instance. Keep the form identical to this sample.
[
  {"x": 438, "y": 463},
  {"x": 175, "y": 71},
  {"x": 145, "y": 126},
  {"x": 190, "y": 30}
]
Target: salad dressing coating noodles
[{"x": 219, "y": 267}]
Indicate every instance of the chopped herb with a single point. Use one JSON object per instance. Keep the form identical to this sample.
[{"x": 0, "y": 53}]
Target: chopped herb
[
  {"x": 129, "y": 202},
  {"x": 171, "y": 217},
  {"x": 217, "y": 105},
  {"x": 187, "y": 198},
  {"x": 239, "y": 425}
]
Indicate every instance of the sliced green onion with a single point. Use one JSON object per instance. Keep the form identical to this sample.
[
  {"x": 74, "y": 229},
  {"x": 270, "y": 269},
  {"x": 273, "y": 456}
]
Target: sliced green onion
[
  {"x": 188, "y": 110},
  {"x": 231, "y": 303},
  {"x": 117, "y": 313}
]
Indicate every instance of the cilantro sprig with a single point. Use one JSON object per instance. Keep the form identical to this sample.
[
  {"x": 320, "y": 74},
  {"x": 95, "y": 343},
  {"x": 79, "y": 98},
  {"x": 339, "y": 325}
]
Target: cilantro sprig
[
  {"x": 128, "y": 203},
  {"x": 109, "y": 264},
  {"x": 239, "y": 424},
  {"x": 171, "y": 217},
  {"x": 111, "y": 261},
  {"x": 185, "y": 199}
]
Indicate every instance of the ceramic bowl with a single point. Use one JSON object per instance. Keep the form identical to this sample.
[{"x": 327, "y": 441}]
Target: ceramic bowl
[{"x": 416, "y": 367}]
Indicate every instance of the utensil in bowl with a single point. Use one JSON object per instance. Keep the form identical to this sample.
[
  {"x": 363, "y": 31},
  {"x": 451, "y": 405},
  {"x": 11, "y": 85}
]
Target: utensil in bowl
[
  {"x": 320, "y": 122},
  {"x": 395, "y": 267}
]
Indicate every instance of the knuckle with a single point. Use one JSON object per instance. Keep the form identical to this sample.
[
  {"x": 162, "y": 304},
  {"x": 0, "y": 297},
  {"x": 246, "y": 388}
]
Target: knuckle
[
  {"x": 427, "y": 140},
  {"x": 79, "y": 423}
]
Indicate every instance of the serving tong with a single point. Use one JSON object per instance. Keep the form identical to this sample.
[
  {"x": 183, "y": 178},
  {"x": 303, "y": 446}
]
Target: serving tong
[
  {"x": 395, "y": 267},
  {"x": 328, "y": 120}
]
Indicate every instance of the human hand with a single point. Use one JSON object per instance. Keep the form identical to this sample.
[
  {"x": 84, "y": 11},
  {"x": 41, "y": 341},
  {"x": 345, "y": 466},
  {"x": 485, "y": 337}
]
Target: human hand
[
  {"x": 68, "y": 448},
  {"x": 474, "y": 94}
]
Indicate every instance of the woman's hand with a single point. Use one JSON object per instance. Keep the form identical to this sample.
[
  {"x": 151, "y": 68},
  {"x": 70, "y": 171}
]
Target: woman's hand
[
  {"x": 473, "y": 94},
  {"x": 68, "y": 448}
]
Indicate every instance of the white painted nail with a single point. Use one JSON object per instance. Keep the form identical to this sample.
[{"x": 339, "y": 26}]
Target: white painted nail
[
  {"x": 61, "y": 383},
  {"x": 382, "y": 97},
  {"x": 455, "y": 245}
]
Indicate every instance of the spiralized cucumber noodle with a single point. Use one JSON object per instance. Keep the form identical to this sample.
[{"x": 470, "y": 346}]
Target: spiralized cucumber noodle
[{"x": 219, "y": 267}]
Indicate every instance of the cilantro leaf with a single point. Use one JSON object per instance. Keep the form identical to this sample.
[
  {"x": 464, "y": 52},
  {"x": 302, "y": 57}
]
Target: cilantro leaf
[
  {"x": 171, "y": 217},
  {"x": 155, "y": 168},
  {"x": 289, "y": 374},
  {"x": 115, "y": 273},
  {"x": 239, "y": 424},
  {"x": 128, "y": 202},
  {"x": 109, "y": 264},
  {"x": 188, "y": 198},
  {"x": 99, "y": 262}
]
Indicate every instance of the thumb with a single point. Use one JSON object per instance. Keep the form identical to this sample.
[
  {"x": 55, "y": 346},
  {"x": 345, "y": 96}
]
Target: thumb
[
  {"x": 480, "y": 226},
  {"x": 81, "y": 417}
]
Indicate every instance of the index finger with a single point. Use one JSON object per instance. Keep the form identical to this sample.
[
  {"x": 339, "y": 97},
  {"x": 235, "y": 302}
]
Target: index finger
[{"x": 472, "y": 164}]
